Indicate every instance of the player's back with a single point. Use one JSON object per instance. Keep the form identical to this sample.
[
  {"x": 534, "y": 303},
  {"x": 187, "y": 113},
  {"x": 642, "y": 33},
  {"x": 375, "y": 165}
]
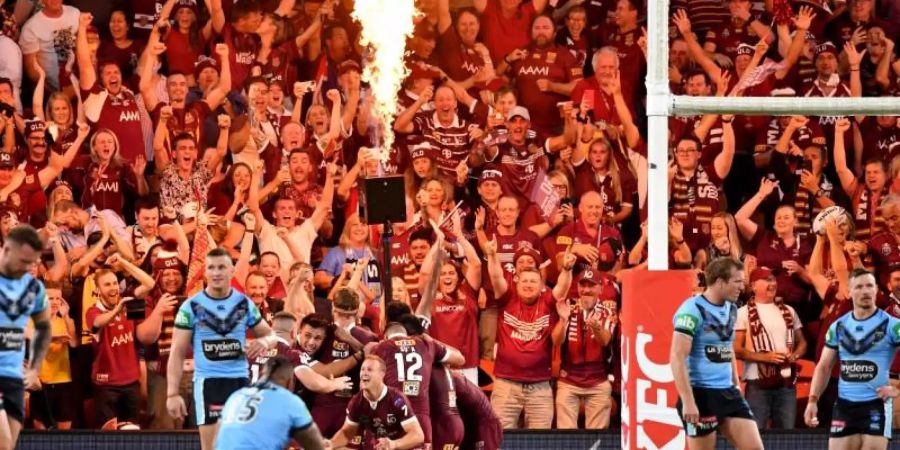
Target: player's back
[
  {"x": 410, "y": 361},
  {"x": 261, "y": 417},
  {"x": 283, "y": 349},
  {"x": 447, "y": 425},
  {"x": 483, "y": 428}
]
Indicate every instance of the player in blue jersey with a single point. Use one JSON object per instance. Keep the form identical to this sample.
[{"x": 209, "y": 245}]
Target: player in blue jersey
[
  {"x": 267, "y": 415},
  {"x": 703, "y": 366},
  {"x": 21, "y": 296},
  {"x": 864, "y": 341},
  {"x": 214, "y": 323}
]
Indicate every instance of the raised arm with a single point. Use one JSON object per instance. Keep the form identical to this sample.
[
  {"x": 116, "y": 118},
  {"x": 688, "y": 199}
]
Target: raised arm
[
  {"x": 214, "y": 158},
  {"x": 445, "y": 21},
  {"x": 217, "y": 94},
  {"x": 217, "y": 16},
  {"x": 495, "y": 270},
  {"x": 724, "y": 160},
  {"x": 564, "y": 282},
  {"x": 847, "y": 177},
  {"x": 683, "y": 23},
  {"x": 404, "y": 122},
  {"x": 480, "y": 5},
  {"x": 160, "y": 152},
  {"x": 744, "y": 216},
  {"x": 147, "y": 282},
  {"x": 87, "y": 74},
  {"x": 37, "y": 100}
]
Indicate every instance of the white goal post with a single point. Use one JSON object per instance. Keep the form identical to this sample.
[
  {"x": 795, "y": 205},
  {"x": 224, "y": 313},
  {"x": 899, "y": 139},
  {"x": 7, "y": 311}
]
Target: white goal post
[{"x": 661, "y": 104}]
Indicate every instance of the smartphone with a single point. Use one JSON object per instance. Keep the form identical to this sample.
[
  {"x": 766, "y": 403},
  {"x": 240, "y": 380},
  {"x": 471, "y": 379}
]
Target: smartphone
[
  {"x": 135, "y": 309},
  {"x": 807, "y": 165},
  {"x": 565, "y": 201},
  {"x": 587, "y": 99}
]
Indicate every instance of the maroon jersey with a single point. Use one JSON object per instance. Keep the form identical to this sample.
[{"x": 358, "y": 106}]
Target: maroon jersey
[
  {"x": 771, "y": 251},
  {"x": 586, "y": 179},
  {"x": 453, "y": 141},
  {"x": 483, "y": 428},
  {"x": 242, "y": 50},
  {"x": 282, "y": 64},
  {"x": 115, "y": 352},
  {"x": 583, "y": 361},
  {"x": 878, "y": 139},
  {"x": 126, "y": 58},
  {"x": 185, "y": 120},
  {"x": 506, "y": 251},
  {"x": 728, "y": 36},
  {"x": 577, "y": 233},
  {"x": 410, "y": 361},
  {"x": 384, "y": 417},
  {"x": 553, "y": 63},
  {"x": 454, "y": 321},
  {"x": 328, "y": 409},
  {"x": 694, "y": 201},
  {"x": 503, "y": 35},
  {"x": 119, "y": 113},
  {"x": 884, "y": 250},
  {"x": 106, "y": 190},
  {"x": 524, "y": 347},
  {"x": 447, "y": 431},
  {"x": 458, "y": 61},
  {"x": 31, "y": 196},
  {"x": 632, "y": 64},
  {"x": 521, "y": 165},
  {"x": 282, "y": 349}
]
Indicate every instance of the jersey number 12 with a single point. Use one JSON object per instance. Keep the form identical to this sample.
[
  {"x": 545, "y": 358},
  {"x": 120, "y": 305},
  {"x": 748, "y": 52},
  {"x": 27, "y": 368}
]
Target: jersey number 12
[{"x": 408, "y": 364}]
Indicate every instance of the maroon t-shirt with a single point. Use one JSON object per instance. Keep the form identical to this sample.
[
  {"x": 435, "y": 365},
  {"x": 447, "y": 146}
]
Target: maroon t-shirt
[
  {"x": 32, "y": 201},
  {"x": 115, "y": 353},
  {"x": 884, "y": 250},
  {"x": 454, "y": 321},
  {"x": 521, "y": 165},
  {"x": 126, "y": 58},
  {"x": 242, "y": 50},
  {"x": 120, "y": 114},
  {"x": 458, "y": 61},
  {"x": 502, "y": 35},
  {"x": 770, "y": 252},
  {"x": 524, "y": 347},
  {"x": 386, "y": 419},
  {"x": 189, "y": 119},
  {"x": 410, "y": 361},
  {"x": 553, "y": 63},
  {"x": 106, "y": 190}
]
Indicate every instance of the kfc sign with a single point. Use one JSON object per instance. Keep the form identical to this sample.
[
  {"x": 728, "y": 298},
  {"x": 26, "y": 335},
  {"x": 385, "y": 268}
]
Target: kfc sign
[{"x": 649, "y": 418}]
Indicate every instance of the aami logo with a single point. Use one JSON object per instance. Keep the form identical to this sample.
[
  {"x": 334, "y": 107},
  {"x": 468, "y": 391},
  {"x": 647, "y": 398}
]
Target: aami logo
[
  {"x": 531, "y": 70},
  {"x": 858, "y": 371},
  {"x": 129, "y": 116},
  {"x": 106, "y": 186}
]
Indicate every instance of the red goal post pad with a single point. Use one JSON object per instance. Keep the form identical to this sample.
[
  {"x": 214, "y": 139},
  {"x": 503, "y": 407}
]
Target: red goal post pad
[{"x": 649, "y": 301}]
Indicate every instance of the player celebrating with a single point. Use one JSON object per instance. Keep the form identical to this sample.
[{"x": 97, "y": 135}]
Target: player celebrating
[
  {"x": 382, "y": 410},
  {"x": 214, "y": 323},
  {"x": 702, "y": 359},
  {"x": 410, "y": 361},
  {"x": 23, "y": 297},
  {"x": 864, "y": 340},
  {"x": 267, "y": 415}
]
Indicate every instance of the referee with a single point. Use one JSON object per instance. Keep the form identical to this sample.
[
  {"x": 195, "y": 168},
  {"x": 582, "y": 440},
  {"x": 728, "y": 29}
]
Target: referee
[{"x": 702, "y": 360}]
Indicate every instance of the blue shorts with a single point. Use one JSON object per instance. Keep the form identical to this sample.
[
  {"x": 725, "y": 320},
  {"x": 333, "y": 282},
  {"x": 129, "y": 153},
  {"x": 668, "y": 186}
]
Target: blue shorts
[{"x": 210, "y": 395}]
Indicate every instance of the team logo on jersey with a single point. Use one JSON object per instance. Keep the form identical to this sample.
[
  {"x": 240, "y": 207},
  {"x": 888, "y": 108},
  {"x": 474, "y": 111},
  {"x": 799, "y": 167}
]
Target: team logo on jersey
[
  {"x": 859, "y": 346},
  {"x": 551, "y": 57},
  {"x": 711, "y": 324},
  {"x": 22, "y": 305},
  {"x": 221, "y": 326}
]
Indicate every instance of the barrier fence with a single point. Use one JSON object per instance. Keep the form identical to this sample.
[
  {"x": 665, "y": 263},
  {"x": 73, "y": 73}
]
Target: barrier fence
[{"x": 513, "y": 440}]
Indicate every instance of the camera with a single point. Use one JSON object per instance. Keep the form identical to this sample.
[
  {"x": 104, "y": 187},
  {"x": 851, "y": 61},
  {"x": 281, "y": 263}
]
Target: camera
[
  {"x": 7, "y": 109},
  {"x": 135, "y": 309}
]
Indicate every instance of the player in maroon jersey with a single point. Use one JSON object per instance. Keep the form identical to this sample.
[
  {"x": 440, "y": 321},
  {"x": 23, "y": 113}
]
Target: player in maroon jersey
[
  {"x": 382, "y": 410},
  {"x": 282, "y": 326},
  {"x": 410, "y": 360},
  {"x": 483, "y": 429}
]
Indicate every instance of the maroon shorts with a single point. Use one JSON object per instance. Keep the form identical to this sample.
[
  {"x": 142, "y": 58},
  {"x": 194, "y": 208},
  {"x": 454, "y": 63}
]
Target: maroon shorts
[
  {"x": 447, "y": 432},
  {"x": 425, "y": 422},
  {"x": 490, "y": 435}
]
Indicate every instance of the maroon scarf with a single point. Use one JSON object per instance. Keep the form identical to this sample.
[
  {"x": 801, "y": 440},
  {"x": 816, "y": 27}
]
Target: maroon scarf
[{"x": 770, "y": 374}]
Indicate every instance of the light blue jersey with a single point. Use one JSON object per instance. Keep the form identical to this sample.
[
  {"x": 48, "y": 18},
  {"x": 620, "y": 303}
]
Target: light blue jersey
[
  {"x": 712, "y": 329},
  {"x": 19, "y": 299},
  {"x": 220, "y": 333},
  {"x": 865, "y": 350},
  {"x": 261, "y": 417}
]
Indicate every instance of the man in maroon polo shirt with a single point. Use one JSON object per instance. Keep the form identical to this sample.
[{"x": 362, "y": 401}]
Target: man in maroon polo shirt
[
  {"x": 505, "y": 24},
  {"x": 584, "y": 237},
  {"x": 527, "y": 329},
  {"x": 585, "y": 364}
]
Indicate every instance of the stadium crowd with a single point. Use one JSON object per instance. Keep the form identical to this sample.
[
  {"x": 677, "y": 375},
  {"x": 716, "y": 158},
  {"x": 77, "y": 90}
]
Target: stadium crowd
[{"x": 139, "y": 135}]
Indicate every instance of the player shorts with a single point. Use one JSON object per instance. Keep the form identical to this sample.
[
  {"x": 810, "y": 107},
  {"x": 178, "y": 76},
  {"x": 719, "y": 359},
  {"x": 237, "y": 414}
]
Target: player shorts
[
  {"x": 12, "y": 398},
  {"x": 210, "y": 395},
  {"x": 872, "y": 417},
  {"x": 714, "y": 406}
]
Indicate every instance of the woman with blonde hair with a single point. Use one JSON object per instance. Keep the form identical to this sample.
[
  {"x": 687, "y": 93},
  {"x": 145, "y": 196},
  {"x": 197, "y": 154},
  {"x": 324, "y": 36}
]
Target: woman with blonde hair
[
  {"x": 724, "y": 241},
  {"x": 434, "y": 200},
  {"x": 596, "y": 169},
  {"x": 109, "y": 177}
]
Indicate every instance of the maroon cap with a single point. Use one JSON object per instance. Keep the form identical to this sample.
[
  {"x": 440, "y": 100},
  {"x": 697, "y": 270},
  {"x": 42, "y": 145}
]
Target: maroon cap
[
  {"x": 347, "y": 66},
  {"x": 7, "y": 160},
  {"x": 527, "y": 250},
  {"x": 590, "y": 276},
  {"x": 761, "y": 273},
  {"x": 826, "y": 47},
  {"x": 491, "y": 173},
  {"x": 202, "y": 63},
  {"x": 34, "y": 126},
  {"x": 423, "y": 150}
]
